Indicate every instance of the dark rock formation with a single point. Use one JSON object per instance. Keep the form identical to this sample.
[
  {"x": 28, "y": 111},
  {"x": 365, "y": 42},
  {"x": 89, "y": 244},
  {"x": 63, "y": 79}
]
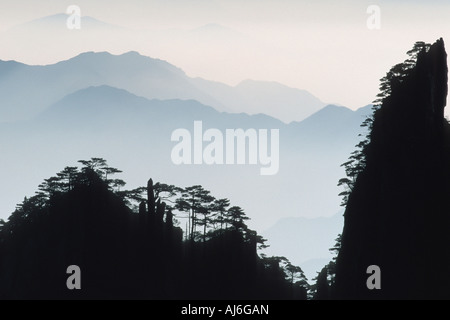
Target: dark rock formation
[{"x": 398, "y": 214}]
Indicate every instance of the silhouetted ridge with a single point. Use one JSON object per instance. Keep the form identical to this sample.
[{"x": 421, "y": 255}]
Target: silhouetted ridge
[
  {"x": 128, "y": 245},
  {"x": 398, "y": 214}
]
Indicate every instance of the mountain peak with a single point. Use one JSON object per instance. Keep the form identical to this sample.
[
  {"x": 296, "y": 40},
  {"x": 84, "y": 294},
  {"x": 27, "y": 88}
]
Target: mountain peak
[
  {"x": 59, "y": 20},
  {"x": 434, "y": 65},
  {"x": 132, "y": 54},
  {"x": 151, "y": 78},
  {"x": 396, "y": 215},
  {"x": 131, "y": 60},
  {"x": 330, "y": 111}
]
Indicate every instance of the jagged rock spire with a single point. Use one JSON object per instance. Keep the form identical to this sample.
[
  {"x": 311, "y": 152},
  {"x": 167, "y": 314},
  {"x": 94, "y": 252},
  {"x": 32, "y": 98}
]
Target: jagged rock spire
[{"x": 151, "y": 197}]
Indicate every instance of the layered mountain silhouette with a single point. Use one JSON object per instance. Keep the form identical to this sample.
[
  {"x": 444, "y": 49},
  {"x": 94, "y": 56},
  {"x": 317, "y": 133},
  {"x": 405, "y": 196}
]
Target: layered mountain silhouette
[
  {"x": 134, "y": 132},
  {"x": 99, "y": 118},
  {"x": 398, "y": 214},
  {"x": 271, "y": 98},
  {"x": 60, "y": 20},
  {"x": 126, "y": 107},
  {"x": 46, "y": 85},
  {"x": 142, "y": 76}
]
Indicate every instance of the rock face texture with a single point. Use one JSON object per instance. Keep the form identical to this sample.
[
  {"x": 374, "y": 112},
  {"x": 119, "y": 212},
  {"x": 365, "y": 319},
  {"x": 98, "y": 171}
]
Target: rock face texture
[{"x": 398, "y": 213}]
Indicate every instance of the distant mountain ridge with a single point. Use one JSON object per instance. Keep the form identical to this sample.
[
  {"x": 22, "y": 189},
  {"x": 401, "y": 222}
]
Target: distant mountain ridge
[
  {"x": 134, "y": 132},
  {"x": 308, "y": 237},
  {"x": 143, "y": 76},
  {"x": 124, "y": 108},
  {"x": 117, "y": 114},
  {"x": 60, "y": 19}
]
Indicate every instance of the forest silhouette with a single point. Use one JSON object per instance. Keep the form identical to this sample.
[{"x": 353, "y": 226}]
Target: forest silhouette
[
  {"x": 161, "y": 241},
  {"x": 128, "y": 245}
]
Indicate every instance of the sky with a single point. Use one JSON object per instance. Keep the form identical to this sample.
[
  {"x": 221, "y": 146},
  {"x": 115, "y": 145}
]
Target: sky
[{"x": 325, "y": 47}]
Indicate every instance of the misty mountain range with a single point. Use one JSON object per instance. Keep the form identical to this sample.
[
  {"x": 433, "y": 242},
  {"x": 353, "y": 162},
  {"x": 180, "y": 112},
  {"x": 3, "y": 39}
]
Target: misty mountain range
[
  {"x": 142, "y": 76},
  {"x": 124, "y": 109}
]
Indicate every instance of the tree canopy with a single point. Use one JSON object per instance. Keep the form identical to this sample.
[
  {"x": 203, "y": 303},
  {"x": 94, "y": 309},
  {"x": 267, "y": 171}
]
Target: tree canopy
[{"x": 134, "y": 239}]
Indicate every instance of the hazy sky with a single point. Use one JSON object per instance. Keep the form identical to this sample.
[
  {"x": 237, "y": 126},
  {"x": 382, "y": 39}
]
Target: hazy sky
[{"x": 323, "y": 46}]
